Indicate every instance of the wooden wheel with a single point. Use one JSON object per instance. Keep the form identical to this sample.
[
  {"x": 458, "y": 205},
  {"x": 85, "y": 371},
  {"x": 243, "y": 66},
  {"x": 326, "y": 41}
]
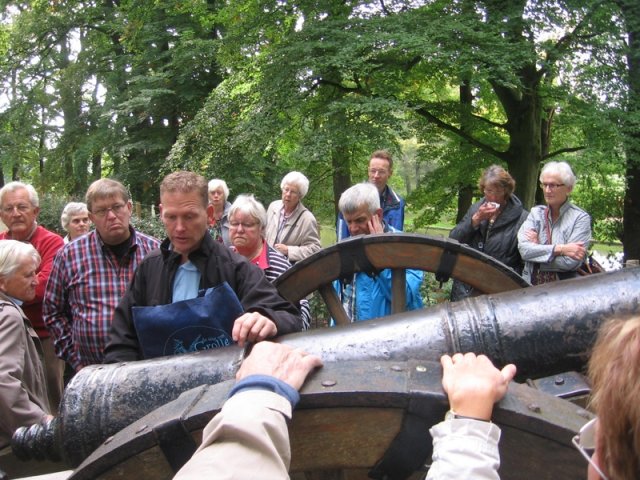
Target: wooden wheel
[{"x": 372, "y": 253}]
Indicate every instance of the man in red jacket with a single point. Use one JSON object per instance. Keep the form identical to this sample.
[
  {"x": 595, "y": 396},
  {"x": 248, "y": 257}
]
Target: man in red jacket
[{"x": 19, "y": 209}]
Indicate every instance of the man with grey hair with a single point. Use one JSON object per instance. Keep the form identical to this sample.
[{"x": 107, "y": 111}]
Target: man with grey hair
[
  {"x": 392, "y": 205},
  {"x": 19, "y": 209},
  {"x": 188, "y": 262},
  {"x": 91, "y": 274},
  {"x": 364, "y": 296}
]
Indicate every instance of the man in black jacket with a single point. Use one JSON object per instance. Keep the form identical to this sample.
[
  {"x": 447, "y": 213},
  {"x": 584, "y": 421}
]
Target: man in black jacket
[{"x": 190, "y": 260}]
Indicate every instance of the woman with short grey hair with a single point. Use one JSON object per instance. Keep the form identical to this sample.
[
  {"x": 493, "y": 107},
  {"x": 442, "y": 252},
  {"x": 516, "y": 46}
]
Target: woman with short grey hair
[
  {"x": 218, "y": 199},
  {"x": 247, "y": 222},
  {"x": 554, "y": 239},
  {"x": 75, "y": 220},
  {"x": 23, "y": 388},
  {"x": 291, "y": 228}
]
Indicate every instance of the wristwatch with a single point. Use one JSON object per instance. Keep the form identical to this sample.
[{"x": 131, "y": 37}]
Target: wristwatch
[{"x": 451, "y": 415}]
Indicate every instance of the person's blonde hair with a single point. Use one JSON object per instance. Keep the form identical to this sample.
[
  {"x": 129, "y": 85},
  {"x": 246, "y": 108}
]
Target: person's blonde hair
[
  {"x": 185, "y": 182},
  {"x": 614, "y": 370},
  {"x": 105, "y": 188}
]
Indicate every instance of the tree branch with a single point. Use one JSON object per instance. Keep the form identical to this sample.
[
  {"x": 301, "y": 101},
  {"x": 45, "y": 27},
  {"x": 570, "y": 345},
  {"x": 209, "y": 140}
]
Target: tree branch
[
  {"x": 462, "y": 134},
  {"x": 384, "y": 8},
  {"x": 563, "y": 43},
  {"x": 562, "y": 150},
  {"x": 488, "y": 122}
]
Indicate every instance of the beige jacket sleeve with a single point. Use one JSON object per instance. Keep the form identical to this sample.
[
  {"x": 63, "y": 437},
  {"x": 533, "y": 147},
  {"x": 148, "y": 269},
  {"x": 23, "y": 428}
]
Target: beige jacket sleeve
[
  {"x": 247, "y": 439},
  {"x": 465, "y": 449}
]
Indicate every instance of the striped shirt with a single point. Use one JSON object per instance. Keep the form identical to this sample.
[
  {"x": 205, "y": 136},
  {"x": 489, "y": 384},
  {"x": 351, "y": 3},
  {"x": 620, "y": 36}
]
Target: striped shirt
[
  {"x": 277, "y": 265},
  {"x": 84, "y": 287}
]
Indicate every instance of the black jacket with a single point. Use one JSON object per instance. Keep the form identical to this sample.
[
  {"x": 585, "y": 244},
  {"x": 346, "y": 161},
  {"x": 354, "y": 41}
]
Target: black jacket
[
  {"x": 152, "y": 285},
  {"x": 500, "y": 240}
]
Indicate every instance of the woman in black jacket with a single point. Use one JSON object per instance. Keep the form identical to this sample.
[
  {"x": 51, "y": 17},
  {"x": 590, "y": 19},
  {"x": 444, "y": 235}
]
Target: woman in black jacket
[{"x": 491, "y": 224}]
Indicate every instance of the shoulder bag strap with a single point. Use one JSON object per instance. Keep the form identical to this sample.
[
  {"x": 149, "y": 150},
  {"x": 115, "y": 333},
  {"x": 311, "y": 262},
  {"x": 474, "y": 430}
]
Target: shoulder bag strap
[
  {"x": 286, "y": 237},
  {"x": 547, "y": 226}
]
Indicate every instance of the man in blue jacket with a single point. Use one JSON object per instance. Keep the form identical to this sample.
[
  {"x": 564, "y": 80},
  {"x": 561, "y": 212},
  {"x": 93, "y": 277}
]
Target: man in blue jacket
[
  {"x": 365, "y": 296},
  {"x": 380, "y": 170}
]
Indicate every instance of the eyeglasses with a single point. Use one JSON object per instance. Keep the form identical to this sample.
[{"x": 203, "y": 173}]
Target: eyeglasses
[
  {"x": 551, "y": 186},
  {"x": 117, "y": 209},
  {"x": 246, "y": 226},
  {"x": 378, "y": 171},
  {"x": 494, "y": 191},
  {"x": 290, "y": 190},
  {"x": 21, "y": 207},
  {"x": 585, "y": 442}
]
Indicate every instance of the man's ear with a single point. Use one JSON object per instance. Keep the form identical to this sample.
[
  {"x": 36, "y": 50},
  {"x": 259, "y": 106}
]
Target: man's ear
[
  {"x": 379, "y": 213},
  {"x": 210, "y": 213}
]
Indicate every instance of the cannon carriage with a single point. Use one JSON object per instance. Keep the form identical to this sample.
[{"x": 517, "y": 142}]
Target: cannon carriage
[{"x": 359, "y": 415}]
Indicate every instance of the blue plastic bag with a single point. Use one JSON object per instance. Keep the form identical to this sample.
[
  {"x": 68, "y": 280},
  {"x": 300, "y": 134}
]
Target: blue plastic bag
[{"x": 199, "y": 323}]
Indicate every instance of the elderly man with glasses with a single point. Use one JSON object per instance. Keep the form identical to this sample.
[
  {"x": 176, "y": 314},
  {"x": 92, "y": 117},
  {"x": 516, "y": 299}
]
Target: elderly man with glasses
[
  {"x": 19, "y": 210},
  {"x": 91, "y": 274}
]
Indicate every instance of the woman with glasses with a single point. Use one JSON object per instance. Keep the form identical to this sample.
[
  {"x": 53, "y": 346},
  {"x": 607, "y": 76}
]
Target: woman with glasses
[
  {"x": 247, "y": 221},
  {"x": 491, "y": 224},
  {"x": 291, "y": 227},
  {"x": 554, "y": 239}
]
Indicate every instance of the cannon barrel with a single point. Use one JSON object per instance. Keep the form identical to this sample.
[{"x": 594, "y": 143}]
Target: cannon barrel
[{"x": 543, "y": 330}]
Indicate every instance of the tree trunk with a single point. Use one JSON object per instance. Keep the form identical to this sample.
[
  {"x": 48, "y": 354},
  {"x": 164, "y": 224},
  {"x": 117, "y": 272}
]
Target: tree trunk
[
  {"x": 631, "y": 212},
  {"x": 525, "y": 150},
  {"x": 465, "y": 192},
  {"x": 341, "y": 163},
  {"x": 70, "y": 96},
  {"x": 465, "y": 196}
]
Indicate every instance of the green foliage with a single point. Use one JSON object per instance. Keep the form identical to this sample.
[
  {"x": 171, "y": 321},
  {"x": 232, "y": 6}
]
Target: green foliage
[
  {"x": 320, "y": 316},
  {"x": 602, "y": 196},
  {"x": 51, "y": 206},
  {"x": 247, "y": 90},
  {"x": 151, "y": 225},
  {"x": 433, "y": 292}
]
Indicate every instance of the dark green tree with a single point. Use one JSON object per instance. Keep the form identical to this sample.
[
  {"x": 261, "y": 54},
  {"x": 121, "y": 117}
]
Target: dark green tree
[
  {"x": 631, "y": 129},
  {"x": 475, "y": 82}
]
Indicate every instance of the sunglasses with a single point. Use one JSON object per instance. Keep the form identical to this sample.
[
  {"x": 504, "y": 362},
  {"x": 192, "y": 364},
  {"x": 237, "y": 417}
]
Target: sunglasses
[{"x": 585, "y": 442}]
